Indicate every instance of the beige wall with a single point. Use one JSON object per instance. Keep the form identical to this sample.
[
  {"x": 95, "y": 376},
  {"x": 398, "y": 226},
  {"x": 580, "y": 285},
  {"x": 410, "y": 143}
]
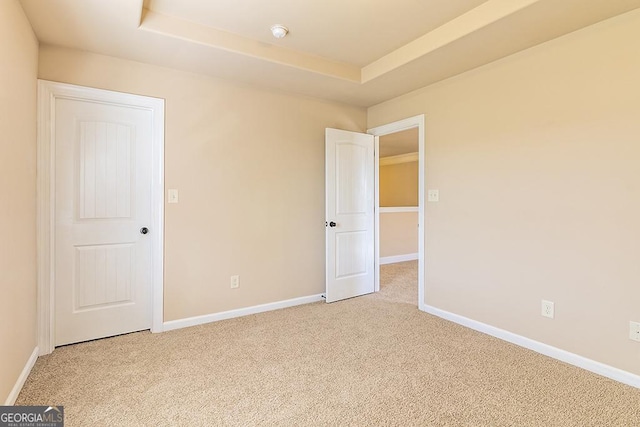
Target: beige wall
[
  {"x": 249, "y": 165},
  {"x": 536, "y": 158},
  {"x": 18, "y": 68},
  {"x": 398, "y": 233},
  {"x": 399, "y": 184}
]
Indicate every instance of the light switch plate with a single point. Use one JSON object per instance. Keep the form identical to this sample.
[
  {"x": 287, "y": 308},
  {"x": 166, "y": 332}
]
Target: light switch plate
[
  {"x": 173, "y": 196},
  {"x": 634, "y": 331},
  {"x": 433, "y": 195}
]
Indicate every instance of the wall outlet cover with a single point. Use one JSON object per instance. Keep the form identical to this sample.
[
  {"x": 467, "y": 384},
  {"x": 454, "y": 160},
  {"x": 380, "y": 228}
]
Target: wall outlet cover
[
  {"x": 235, "y": 282},
  {"x": 547, "y": 309}
]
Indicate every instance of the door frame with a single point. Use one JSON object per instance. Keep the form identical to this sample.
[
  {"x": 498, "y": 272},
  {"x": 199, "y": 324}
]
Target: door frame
[
  {"x": 408, "y": 123},
  {"x": 48, "y": 92}
]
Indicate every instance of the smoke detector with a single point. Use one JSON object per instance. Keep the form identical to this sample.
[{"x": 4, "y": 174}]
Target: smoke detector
[{"x": 279, "y": 31}]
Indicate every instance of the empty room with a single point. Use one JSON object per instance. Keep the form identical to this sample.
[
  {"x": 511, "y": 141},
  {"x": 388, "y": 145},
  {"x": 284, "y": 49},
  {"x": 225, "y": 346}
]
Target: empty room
[{"x": 320, "y": 213}]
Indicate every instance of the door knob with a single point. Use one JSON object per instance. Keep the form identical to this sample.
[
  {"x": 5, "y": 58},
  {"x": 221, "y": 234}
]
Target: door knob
[
  {"x": 332, "y": 224},
  {"x": 144, "y": 230}
]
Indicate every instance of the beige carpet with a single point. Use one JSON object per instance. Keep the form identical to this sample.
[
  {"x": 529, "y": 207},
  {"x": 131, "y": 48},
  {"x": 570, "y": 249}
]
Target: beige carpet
[{"x": 369, "y": 361}]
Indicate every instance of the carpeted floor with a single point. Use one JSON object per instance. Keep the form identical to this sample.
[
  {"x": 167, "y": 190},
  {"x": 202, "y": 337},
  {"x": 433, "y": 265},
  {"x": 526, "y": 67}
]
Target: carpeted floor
[{"x": 369, "y": 361}]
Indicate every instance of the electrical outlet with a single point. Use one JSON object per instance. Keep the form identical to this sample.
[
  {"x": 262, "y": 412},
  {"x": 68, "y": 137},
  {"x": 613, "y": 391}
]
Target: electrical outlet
[
  {"x": 433, "y": 195},
  {"x": 235, "y": 282},
  {"x": 634, "y": 331},
  {"x": 547, "y": 309}
]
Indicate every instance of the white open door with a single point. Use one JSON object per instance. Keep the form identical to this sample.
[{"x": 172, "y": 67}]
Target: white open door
[{"x": 349, "y": 192}]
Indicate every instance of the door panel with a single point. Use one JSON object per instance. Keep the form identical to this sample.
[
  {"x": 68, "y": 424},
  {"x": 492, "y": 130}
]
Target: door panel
[
  {"x": 349, "y": 195},
  {"x": 105, "y": 170},
  {"x": 104, "y": 276},
  {"x": 351, "y": 254},
  {"x": 102, "y": 199}
]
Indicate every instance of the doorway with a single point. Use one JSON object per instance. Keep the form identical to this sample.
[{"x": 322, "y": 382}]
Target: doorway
[
  {"x": 398, "y": 195},
  {"x": 100, "y": 213},
  {"x": 400, "y": 146}
]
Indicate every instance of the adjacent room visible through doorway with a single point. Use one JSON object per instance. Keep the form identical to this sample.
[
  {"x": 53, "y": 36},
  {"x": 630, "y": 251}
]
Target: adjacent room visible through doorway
[{"x": 398, "y": 195}]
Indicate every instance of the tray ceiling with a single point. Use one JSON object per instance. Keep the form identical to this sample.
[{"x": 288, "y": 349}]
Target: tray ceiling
[{"x": 360, "y": 52}]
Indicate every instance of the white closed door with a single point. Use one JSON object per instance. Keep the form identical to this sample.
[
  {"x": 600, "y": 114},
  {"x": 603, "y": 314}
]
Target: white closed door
[
  {"x": 349, "y": 191},
  {"x": 103, "y": 167}
]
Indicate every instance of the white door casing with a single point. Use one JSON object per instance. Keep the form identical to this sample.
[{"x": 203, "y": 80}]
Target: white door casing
[
  {"x": 100, "y": 275},
  {"x": 349, "y": 192},
  {"x": 408, "y": 123}
]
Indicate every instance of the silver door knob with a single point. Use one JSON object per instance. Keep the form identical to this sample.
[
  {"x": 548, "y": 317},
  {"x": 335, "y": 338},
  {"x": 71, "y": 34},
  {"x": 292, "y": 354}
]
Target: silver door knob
[{"x": 144, "y": 230}]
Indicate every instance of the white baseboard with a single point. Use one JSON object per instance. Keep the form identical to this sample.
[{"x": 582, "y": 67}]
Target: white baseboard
[
  {"x": 11, "y": 399},
  {"x": 548, "y": 350},
  {"x": 214, "y": 317},
  {"x": 398, "y": 258}
]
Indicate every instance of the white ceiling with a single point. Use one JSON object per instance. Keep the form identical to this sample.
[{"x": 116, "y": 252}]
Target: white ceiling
[{"x": 361, "y": 52}]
